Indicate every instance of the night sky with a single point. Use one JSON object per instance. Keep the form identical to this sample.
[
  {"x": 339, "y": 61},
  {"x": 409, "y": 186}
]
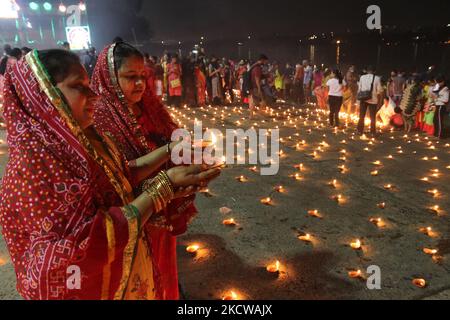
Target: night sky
[{"x": 188, "y": 20}]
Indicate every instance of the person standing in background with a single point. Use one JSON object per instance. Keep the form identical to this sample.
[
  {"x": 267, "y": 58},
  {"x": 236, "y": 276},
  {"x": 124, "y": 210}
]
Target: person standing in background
[{"x": 368, "y": 93}]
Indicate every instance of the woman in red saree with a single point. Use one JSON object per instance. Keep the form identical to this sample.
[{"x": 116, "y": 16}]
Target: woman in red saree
[
  {"x": 139, "y": 124},
  {"x": 174, "y": 82},
  {"x": 70, "y": 221},
  {"x": 200, "y": 80}
]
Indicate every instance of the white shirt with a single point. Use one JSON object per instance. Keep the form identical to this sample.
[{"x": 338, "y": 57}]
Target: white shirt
[
  {"x": 336, "y": 88},
  {"x": 442, "y": 97},
  {"x": 365, "y": 82}
]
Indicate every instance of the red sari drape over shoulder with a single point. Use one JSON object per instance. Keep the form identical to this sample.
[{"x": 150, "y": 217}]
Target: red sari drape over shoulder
[
  {"x": 136, "y": 137},
  {"x": 60, "y": 206}
]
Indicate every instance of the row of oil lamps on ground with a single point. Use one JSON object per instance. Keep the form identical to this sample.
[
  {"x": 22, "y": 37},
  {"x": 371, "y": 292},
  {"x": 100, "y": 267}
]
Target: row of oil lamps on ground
[{"x": 355, "y": 244}]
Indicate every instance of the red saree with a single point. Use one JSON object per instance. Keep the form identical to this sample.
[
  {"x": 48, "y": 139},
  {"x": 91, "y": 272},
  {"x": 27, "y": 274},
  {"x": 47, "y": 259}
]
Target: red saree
[
  {"x": 136, "y": 137},
  {"x": 60, "y": 203},
  {"x": 201, "y": 86}
]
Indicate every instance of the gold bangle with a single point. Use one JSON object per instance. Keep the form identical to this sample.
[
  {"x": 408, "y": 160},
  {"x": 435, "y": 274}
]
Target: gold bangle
[{"x": 160, "y": 190}]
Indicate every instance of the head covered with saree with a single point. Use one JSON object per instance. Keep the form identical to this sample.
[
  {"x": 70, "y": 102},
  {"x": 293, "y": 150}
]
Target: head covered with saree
[
  {"x": 62, "y": 208},
  {"x": 136, "y": 137}
]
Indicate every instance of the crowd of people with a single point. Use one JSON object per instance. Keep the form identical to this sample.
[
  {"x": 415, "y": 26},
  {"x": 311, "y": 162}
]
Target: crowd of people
[
  {"x": 415, "y": 101},
  {"x": 199, "y": 80},
  {"x": 89, "y": 182}
]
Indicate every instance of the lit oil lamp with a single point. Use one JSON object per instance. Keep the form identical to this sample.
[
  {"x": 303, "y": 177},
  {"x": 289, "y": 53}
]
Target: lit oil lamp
[
  {"x": 193, "y": 248},
  {"x": 435, "y": 209},
  {"x": 355, "y": 274},
  {"x": 267, "y": 201},
  {"x": 425, "y": 179},
  {"x": 428, "y": 231},
  {"x": 356, "y": 244},
  {"x": 421, "y": 283},
  {"x": 229, "y": 296},
  {"x": 434, "y": 192},
  {"x": 377, "y": 163},
  {"x": 378, "y": 222},
  {"x": 314, "y": 213},
  {"x": 381, "y": 205},
  {"x": 241, "y": 179},
  {"x": 388, "y": 186},
  {"x": 342, "y": 168},
  {"x": 333, "y": 184},
  {"x": 254, "y": 169},
  {"x": 390, "y": 157},
  {"x": 229, "y": 222},
  {"x": 297, "y": 176},
  {"x": 274, "y": 268},
  {"x": 374, "y": 173},
  {"x": 280, "y": 189},
  {"x": 306, "y": 238},
  {"x": 338, "y": 198},
  {"x": 430, "y": 251}
]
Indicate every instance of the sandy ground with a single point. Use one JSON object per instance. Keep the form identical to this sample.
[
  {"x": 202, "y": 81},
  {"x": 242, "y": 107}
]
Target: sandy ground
[{"x": 235, "y": 258}]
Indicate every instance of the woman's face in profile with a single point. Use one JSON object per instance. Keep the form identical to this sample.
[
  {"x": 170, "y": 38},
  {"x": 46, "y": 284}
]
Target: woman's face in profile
[
  {"x": 79, "y": 96},
  {"x": 132, "y": 79}
]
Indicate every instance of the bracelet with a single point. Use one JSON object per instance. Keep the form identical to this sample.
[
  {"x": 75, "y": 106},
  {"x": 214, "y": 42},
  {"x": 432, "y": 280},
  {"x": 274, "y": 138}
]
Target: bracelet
[{"x": 160, "y": 190}]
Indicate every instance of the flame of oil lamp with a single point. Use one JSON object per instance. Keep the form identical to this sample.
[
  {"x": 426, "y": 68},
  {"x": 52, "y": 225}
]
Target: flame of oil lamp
[
  {"x": 377, "y": 163},
  {"x": 390, "y": 156},
  {"x": 192, "y": 249},
  {"x": 242, "y": 179},
  {"x": 374, "y": 173},
  {"x": 435, "y": 209},
  {"x": 297, "y": 176},
  {"x": 425, "y": 179},
  {"x": 314, "y": 213},
  {"x": 434, "y": 192},
  {"x": 355, "y": 274},
  {"x": 229, "y": 222},
  {"x": 378, "y": 222},
  {"x": 382, "y": 205},
  {"x": 421, "y": 283},
  {"x": 274, "y": 268},
  {"x": 306, "y": 238},
  {"x": 356, "y": 245},
  {"x": 425, "y": 158},
  {"x": 430, "y": 251},
  {"x": 266, "y": 201},
  {"x": 428, "y": 231},
  {"x": 254, "y": 169},
  {"x": 230, "y": 296},
  {"x": 388, "y": 186},
  {"x": 280, "y": 189},
  {"x": 333, "y": 183},
  {"x": 338, "y": 198}
]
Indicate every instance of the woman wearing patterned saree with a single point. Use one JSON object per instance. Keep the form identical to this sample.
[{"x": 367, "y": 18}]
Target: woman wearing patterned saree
[
  {"x": 139, "y": 124},
  {"x": 70, "y": 221}
]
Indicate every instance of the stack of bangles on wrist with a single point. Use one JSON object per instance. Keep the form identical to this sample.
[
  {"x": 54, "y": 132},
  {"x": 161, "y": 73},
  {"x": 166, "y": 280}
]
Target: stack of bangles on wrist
[{"x": 160, "y": 190}]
